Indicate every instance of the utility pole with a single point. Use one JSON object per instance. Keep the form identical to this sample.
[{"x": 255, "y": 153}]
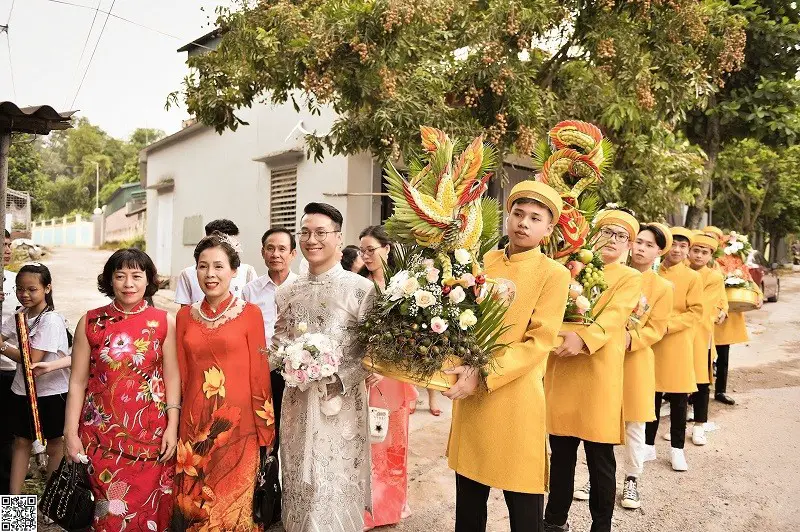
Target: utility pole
[{"x": 97, "y": 185}]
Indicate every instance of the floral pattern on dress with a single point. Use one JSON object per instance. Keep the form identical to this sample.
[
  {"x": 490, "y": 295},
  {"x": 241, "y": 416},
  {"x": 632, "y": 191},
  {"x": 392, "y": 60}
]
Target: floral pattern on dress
[{"x": 124, "y": 420}]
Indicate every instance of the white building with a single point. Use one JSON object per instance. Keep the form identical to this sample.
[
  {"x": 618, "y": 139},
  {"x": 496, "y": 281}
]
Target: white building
[{"x": 257, "y": 176}]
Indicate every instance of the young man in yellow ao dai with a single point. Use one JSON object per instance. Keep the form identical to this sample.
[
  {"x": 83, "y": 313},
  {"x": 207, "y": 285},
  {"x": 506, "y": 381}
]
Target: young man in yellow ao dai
[
  {"x": 584, "y": 391},
  {"x": 714, "y": 309},
  {"x": 497, "y": 438},
  {"x": 639, "y": 381},
  {"x": 674, "y": 353}
]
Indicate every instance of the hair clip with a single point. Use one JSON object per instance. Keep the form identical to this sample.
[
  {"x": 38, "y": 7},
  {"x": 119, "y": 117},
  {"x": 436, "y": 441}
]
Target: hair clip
[{"x": 232, "y": 242}]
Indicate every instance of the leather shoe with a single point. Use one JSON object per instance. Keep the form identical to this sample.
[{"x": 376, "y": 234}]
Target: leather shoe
[
  {"x": 722, "y": 398},
  {"x": 556, "y": 528}
]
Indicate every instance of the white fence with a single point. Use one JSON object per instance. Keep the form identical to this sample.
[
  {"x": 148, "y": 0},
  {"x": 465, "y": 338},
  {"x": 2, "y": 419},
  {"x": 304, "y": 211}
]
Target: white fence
[{"x": 70, "y": 231}]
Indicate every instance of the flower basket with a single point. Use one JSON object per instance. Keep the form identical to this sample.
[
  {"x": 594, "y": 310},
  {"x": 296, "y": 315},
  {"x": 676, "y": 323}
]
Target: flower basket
[
  {"x": 742, "y": 299},
  {"x": 574, "y": 327},
  {"x": 438, "y": 381}
]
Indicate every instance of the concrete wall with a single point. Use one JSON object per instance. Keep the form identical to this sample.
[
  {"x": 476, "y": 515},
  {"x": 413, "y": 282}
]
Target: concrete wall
[
  {"x": 227, "y": 176},
  {"x": 67, "y": 231},
  {"x": 119, "y": 226}
]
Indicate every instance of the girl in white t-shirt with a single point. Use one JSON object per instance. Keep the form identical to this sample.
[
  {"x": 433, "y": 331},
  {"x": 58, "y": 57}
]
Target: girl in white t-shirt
[{"x": 49, "y": 343}]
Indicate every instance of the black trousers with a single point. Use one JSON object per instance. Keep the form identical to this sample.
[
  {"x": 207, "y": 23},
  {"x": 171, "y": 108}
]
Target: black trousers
[
  {"x": 6, "y": 436},
  {"x": 602, "y": 468},
  {"x": 524, "y": 509},
  {"x": 278, "y": 386},
  {"x": 700, "y": 402},
  {"x": 677, "y": 405},
  {"x": 721, "y": 382}
]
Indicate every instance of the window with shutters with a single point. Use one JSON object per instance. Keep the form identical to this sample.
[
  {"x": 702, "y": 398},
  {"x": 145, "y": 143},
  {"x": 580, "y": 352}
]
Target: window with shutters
[{"x": 283, "y": 197}]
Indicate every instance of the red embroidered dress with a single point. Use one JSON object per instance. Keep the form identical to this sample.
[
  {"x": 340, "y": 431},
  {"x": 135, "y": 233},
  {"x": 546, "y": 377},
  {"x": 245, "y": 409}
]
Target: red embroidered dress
[
  {"x": 124, "y": 421},
  {"x": 227, "y": 415}
]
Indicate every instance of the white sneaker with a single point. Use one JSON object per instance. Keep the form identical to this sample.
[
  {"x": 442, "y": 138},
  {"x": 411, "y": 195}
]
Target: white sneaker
[
  {"x": 679, "y": 460},
  {"x": 582, "y": 494},
  {"x": 665, "y": 410},
  {"x": 699, "y": 436},
  {"x": 667, "y": 436},
  {"x": 649, "y": 453},
  {"x": 690, "y": 413}
]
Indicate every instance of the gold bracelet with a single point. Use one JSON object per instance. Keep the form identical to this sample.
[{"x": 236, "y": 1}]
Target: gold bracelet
[{"x": 178, "y": 407}]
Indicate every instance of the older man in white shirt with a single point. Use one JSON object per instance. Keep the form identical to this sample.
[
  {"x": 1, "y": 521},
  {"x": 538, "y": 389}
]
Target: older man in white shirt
[{"x": 278, "y": 249}]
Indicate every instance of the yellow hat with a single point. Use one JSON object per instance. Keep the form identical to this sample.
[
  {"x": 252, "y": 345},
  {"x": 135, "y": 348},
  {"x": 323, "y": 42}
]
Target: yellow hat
[
  {"x": 715, "y": 231},
  {"x": 706, "y": 241},
  {"x": 667, "y": 236},
  {"x": 620, "y": 218},
  {"x": 536, "y": 190},
  {"x": 685, "y": 233}
]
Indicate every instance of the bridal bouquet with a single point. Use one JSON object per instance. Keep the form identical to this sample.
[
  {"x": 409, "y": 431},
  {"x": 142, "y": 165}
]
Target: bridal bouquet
[{"x": 309, "y": 357}]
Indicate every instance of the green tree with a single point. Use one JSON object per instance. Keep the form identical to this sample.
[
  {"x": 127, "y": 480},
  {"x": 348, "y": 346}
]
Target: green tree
[
  {"x": 506, "y": 68},
  {"x": 760, "y": 101},
  {"x": 25, "y": 170}
]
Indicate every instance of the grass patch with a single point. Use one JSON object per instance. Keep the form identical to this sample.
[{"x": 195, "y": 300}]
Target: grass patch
[{"x": 136, "y": 242}]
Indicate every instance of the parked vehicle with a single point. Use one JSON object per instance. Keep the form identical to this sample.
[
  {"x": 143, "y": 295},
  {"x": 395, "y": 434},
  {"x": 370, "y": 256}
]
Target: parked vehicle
[{"x": 764, "y": 275}]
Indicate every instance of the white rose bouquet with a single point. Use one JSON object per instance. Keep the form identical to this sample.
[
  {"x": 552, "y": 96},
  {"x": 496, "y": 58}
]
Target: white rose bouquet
[{"x": 308, "y": 358}]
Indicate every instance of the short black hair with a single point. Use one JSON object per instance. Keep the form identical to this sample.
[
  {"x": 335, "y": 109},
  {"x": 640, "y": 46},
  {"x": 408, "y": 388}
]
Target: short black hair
[
  {"x": 328, "y": 210},
  {"x": 273, "y": 230},
  {"x": 218, "y": 240},
  {"x": 8, "y": 235},
  {"x": 681, "y": 238},
  {"x": 528, "y": 201},
  {"x": 128, "y": 258},
  {"x": 224, "y": 226},
  {"x": 349, "y": 256},
  {"x": 658, "y": 234}
]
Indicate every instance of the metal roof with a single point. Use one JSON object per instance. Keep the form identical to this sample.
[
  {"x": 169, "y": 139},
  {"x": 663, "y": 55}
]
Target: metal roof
[
  {"x": 200, "y": 42},
  {"x": 41, "y": 119}
]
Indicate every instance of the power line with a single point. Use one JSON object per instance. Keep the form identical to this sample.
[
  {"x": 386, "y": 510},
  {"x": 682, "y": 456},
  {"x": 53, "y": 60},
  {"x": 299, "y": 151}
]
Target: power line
[
  {"x": 129, "y": 21},
  {"x": 96, "y": 45},
  {"x": 10, "y": 64},
  {"x": 83, "y": 50},
  {"x": 10, "y": 12}
]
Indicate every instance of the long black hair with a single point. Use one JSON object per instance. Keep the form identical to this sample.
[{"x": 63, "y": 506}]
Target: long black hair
[
  {"x": 44, "y": 277},
  {"x": 378, "y": 232}
]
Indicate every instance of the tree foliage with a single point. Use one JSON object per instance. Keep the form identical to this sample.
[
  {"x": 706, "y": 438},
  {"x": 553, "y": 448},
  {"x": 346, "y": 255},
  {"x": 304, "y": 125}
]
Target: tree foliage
[
  {"x": 60, "y": 171},
  {"x": 506, "y": 68}
]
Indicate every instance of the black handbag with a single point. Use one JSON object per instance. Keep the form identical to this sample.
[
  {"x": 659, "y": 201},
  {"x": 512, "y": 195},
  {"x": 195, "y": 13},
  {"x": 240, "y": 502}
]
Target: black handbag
[
  {"x": 68, "y": 498},
  {"x": 267, "y": 495}
]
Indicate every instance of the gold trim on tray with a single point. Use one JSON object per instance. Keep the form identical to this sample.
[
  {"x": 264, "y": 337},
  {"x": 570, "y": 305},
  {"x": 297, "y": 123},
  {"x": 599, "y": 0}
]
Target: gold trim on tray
[
  {"x": 439, "y": 381},
  {"x": 742, "y": 299}
]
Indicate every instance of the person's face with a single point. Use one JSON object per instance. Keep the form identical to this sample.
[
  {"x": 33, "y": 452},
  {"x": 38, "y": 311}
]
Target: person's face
[
  {"x": 373, "y": 254},
  {"x": 7, "y": 251},
  {"x": 358, "y": 263},
  {"x": 30, "y": 290},
  {"x": 129, "y": 286},
  {"x": 615, "y": 240},
  {"x": 278, "y": 253},
  {"x": 699, "y": 256},
  {"x": 214, "y": 272},
  {"x": 527, "y": 224},
  {"x": 645, "y": 249},
  {"x": 679, "y": 252},
  {"x": 320, "y": 240}
]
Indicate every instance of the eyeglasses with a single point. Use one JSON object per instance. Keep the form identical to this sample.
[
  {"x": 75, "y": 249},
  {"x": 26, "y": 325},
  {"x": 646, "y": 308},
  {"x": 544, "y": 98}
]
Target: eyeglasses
[
  {"x": 319, "y": 235},
  {"x": 612, "y": 235},
  {"x": 363, "y": 252}
]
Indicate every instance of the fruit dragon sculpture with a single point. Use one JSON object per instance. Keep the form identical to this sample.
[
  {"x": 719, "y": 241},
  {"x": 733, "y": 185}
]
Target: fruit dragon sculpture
[
  {"x": 441, "y": 204},
  {"x": 572, "y": 162}
]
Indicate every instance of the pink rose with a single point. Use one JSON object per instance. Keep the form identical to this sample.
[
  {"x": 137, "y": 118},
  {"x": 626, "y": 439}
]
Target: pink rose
[
  {"x": 432, "y": 275},
  {"x": 469, "y": 279},
  {"x": 428, "y": 263},
  {"x": 306, "y": 357},
  {"x": 301, "y": 376},
  {"x": 438, "y": 325},
  {"x": 314, "y": 371}
]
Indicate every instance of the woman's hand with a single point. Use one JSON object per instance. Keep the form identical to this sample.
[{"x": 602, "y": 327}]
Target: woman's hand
[
  {"x": 74, "y": 447},
  {"x": 373, "y": 379},
  {"x": 169, "y": 442},
  {"x": 40, "y": 368}
]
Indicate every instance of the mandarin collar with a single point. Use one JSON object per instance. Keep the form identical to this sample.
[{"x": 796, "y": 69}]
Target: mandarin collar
[
  {"x": 519, "y": 257},
  {"x": 223, "y": 305},
  {"x": 664, "y": 267},
  {"x": 326, "y": 276}
]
